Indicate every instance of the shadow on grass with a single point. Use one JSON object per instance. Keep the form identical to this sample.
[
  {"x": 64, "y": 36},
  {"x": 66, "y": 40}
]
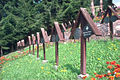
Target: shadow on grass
[{"x": 72, "y": 68}]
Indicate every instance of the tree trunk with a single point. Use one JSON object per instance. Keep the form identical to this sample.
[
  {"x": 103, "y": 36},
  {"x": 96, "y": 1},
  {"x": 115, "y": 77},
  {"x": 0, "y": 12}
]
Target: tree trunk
[{"x": 92, "y": 7}]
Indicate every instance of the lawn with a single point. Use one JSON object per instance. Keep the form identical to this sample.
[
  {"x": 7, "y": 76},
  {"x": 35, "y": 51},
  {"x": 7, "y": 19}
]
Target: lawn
[{"x": 27, "y": 67}]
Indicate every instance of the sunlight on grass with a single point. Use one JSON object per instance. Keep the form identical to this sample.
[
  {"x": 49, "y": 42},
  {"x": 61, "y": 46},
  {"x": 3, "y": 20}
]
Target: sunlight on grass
[{"x": 29, "y": 68}]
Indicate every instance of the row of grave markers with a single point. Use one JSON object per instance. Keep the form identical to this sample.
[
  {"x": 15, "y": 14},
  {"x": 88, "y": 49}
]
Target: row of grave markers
[{"x": 88, "y": 28}]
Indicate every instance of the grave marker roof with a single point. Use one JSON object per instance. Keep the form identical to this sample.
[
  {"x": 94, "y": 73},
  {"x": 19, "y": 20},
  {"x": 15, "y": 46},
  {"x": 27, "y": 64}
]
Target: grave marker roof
[
  {"x": 84, "y": 15},
  {"x": 45, "y": 36}
]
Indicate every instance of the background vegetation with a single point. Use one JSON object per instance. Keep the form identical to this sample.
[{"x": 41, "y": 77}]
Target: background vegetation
[{"x": 20, "y": 18}]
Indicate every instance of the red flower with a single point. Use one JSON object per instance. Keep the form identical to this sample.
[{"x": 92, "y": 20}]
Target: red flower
[
  {"x": 99, "y": 76},
  {"x": 84, "y": 77},
  {"x": 111, "y": 78},
  {"x": 7, "y": 59},
  {"x": 2, "y": 57},
  {"x": 93, "y": 79},
  {"x": 27, "y": 51},
  {"x": 113, "y": 62},
  {"x": 117, "y": 75},
  {"x": 109, "y": 67},
  {"x": 105, "y": 75},
  {"x": 95, "y": 73},
  {"x": 118, "y": 65},
  {"x": 107, "y": 62}
]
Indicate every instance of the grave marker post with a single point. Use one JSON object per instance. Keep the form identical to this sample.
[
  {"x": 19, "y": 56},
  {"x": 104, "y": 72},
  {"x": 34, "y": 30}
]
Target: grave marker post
[
  {"x": 111, "y": 25},
  {"x": 60, "y": 36},
  {"x": 45, "y": 39},
  {"x": 38, "y": 42},
  {"x": 83, "y": 52},
  {"x": 29, "y": 40},
  {"x": 21, "y": 44},
  {"x": 111, "y": 18},
  {"x": 33, "y": 38},
  {"x": 88, "y": 28},
  {"x": 17, "y": 45}
]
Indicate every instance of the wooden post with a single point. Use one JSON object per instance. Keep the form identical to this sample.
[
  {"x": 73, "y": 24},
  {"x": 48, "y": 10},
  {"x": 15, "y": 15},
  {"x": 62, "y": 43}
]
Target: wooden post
[
  {"x": 92, "y": 7},
  {"x": 33, "y": 50},
  {"x": 38, "y": 42},
  {"x": 37, "y": 51},
  {"x": 88, "y": 39},
  {"x": 29, "y": 49},
  {"x": 56, "y": 53},
  {"x": 33, "y": 38},
  {"x": 110, "y": 25},
  {"x": 83, "y": 53},
  {"x": 1, "y": 52},
  {"x": 101, "y": 5},
  {"x": 29, "y": 39},
  {"x": 44, "y": 51}
]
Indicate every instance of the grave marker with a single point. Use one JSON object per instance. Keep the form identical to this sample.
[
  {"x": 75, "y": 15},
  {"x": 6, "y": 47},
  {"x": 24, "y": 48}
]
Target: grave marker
[
  {"x": 38, "y": 42},
  {"x": 59, "y": 35},
  {"x": 33, "y": 38},
  {"x": 88, "y": 28},
  {"x": 64, "y": 27},
  {"x": 29, "y": 40},
  {"x": 44, "y": 39},
  {"x": 111, "y": 19}
]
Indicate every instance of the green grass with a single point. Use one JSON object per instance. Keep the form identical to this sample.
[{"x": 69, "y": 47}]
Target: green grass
[{"x": 28, "y": 68}]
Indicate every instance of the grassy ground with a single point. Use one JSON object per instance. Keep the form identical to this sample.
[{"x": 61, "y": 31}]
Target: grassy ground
[{"x": 29, "y": 68}]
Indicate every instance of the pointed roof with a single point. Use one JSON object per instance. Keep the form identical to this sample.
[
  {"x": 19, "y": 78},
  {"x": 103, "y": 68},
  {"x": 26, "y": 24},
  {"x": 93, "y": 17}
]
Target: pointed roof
[
  {"x": 45, "y": 36},
  {"x": 82, "y": 18}
]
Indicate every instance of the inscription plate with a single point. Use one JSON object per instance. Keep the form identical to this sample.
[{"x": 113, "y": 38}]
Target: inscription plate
[{"x": 87, "y": 31}]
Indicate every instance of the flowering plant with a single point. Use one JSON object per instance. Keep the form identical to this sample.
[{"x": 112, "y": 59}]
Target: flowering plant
[{"x": 113, "y": 72}]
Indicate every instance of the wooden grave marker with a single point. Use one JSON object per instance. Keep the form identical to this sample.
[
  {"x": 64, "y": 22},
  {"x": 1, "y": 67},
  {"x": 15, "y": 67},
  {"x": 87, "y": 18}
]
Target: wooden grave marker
[
  {"x": 44, "y": 39},
  {"x": 23, "y": 43},
  {"x": 66, "y": 33},
  {"x": 111, "y": 19},
  {"x": 64, "y": 28},
  {"x": 29, "y": 40},
  {"x": 38, "y": 42},
  {"x": 33, "y": 40},
  {"x": 88, "y": 28},
  {"x": 58, "y": 35}
]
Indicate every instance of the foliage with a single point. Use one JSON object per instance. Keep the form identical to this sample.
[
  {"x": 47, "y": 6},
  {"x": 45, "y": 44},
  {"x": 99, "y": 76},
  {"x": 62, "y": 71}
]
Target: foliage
[{"x": 20, "y": 18}]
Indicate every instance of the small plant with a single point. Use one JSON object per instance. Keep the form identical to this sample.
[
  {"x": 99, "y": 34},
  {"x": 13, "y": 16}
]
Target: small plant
[{"x": 113, "y": 72}]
